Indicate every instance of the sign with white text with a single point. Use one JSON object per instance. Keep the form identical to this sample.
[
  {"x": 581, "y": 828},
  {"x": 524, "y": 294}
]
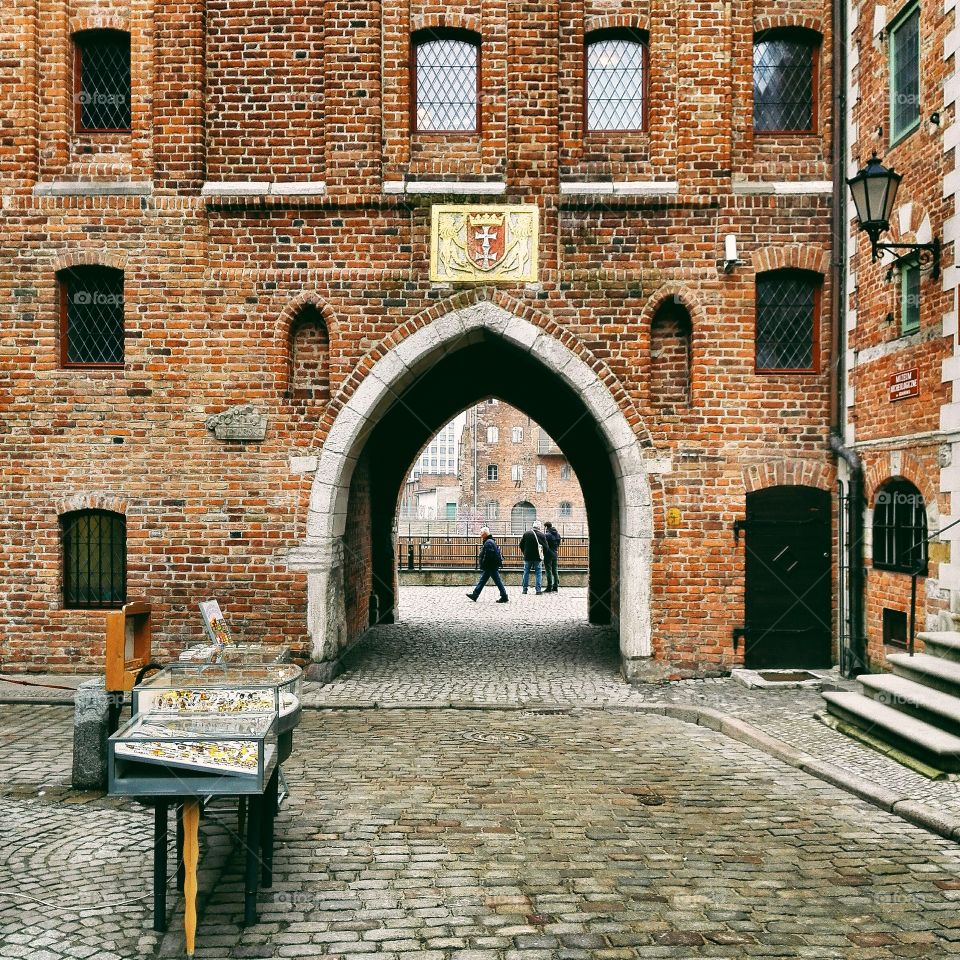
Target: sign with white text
[{"x": 904, "y": 384}]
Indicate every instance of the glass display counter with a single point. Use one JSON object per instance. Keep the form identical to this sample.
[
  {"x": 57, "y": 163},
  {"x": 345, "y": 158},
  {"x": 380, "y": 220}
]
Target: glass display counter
[
  {"x": 224, "y": 689},
  {"x": 193, "y": 754}
]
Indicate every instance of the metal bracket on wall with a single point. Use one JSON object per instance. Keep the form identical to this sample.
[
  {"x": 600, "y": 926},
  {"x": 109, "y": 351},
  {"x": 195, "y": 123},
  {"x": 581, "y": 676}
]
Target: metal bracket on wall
[
  {"x": 739, "y": 633},
  {"x": 738, "y": 527}
]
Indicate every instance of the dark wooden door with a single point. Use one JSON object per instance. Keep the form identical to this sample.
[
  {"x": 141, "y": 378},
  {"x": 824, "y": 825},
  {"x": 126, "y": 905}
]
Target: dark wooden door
[{"x": 788, "y": 578}]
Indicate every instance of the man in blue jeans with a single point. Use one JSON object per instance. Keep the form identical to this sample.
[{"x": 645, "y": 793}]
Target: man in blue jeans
[
  {"x": 491, "y": 560},
  {"x": 532, "y": 545}
]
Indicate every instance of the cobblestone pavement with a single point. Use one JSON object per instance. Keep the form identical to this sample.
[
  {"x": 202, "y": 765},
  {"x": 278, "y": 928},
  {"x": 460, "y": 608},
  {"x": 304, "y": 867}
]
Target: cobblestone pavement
[
  {"x": 540, "y": 650},
  {"x": 543, "y": 819},
  {"x": 494, "y": 835}
]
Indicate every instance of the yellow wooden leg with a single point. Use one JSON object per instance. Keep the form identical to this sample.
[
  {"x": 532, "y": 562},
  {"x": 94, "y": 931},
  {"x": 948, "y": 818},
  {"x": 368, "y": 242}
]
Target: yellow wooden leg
[{"x": 191, "y": 849}]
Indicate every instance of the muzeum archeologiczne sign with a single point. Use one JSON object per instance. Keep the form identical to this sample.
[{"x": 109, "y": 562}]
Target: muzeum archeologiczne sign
[{"x": 484, "y": 243}]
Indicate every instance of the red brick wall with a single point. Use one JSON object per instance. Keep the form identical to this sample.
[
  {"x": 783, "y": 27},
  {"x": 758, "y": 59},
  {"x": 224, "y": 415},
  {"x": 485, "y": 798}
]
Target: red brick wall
[
  {"x": 889, "y": 428},
  {"x": 213, "y": 287}
]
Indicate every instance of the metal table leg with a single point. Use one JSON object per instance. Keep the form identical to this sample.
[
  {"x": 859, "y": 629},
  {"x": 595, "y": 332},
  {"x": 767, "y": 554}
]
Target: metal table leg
[
  {"x": 180, "y": 846},
  {"x": 160, "y": 866},
  {"x": 267, "y": 816},
  {"x": 254, "y": 808}
]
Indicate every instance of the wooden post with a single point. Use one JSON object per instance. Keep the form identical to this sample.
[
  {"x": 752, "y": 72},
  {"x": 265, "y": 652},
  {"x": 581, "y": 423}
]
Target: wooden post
[{"x": 191, "y": 851}]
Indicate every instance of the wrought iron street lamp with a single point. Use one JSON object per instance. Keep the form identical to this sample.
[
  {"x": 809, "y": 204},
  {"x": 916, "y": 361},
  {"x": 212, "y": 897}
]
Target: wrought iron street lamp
[{"x": 874, "y": 191}]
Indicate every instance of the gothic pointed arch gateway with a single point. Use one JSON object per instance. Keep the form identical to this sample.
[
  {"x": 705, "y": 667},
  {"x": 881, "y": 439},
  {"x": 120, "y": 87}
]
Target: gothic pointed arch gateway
[{"x": 442, "y": 367}]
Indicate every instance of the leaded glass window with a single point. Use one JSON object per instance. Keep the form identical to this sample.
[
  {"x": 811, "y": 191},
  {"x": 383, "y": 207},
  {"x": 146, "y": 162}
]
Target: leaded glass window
[
  {"x": 616, "y": 81},
  {"x": 784, "y": 88},
  {"x": 102, "y": 86},
  {"x": 900, "y": 528},
  {"x": 905, "y": 74},
  {"x": 447, "y": 69},
  {"x": 94, "y": 544},
  {"x": 786, "y": 304},
  {"x": 91, "y": 317}
]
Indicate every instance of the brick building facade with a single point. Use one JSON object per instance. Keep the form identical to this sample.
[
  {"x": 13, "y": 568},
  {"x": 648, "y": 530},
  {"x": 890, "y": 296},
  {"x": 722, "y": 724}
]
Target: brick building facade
[
  {"x": 901, "y": 347},
  {"x": 263, "y": 214}
]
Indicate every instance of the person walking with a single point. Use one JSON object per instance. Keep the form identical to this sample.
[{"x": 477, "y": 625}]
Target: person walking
[
  {"x": 532, "y": 546},
  {"x": 491, "y": 560},
  {"x": 550, "y": 555}
]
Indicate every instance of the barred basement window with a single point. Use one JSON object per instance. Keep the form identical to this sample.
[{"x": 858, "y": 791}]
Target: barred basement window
[
  {"x": 785, "y": 81},
  {"x": 787, "y": 307},
  {"x": 493, "y": 471},
  {"x": 102, "y": 81},
  {"x": 91, "y": 317},
  {"x": 905, "y": 73},
  {"x": 446, "y": 81},
  {"x": 616, "y": 80},
  {"x": 94, "y": 544},
  {"x": 900, "y": 528}
]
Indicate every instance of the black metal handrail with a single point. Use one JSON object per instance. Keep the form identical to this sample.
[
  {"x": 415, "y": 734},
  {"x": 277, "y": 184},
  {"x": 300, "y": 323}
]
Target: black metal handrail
[{"x": 920, "y": 569}]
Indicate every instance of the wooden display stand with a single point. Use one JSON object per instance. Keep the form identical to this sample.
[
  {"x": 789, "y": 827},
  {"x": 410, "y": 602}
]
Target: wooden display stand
[
  {"x": 128, "y": 644},
  {"x": 128, "y": 648}
]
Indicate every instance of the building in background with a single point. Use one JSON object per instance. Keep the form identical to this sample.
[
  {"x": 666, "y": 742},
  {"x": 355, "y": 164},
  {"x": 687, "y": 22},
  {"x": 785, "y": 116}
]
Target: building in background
[
  {"x": 513, "y": 473},
  {"x": 440, "y": 455}
]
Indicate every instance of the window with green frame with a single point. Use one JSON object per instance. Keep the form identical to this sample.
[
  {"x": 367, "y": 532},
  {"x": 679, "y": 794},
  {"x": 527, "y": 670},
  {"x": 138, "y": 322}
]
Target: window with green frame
[
  {"x": 905, "y": 73},
  {"x": 909, "y": 295}
]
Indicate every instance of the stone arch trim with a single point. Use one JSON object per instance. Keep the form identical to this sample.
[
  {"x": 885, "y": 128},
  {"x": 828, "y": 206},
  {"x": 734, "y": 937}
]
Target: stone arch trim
[
  {"x": 385, "y": 373},
  {"x": 796, "y": 256},
  {"x": 616, "y": 21},
  {"x": 452, "y": 20},
  {"x": 787, "y": 21},
  {"x": 787, "y": 472},
  {"x": 522, "y": 311},
  {"x": 90, "y": 501},
  {"x": 91, "y": 258}
]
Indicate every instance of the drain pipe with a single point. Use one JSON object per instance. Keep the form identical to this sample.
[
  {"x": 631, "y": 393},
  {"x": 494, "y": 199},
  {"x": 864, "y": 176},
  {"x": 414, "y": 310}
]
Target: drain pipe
[{"x": 853, "y": 659}]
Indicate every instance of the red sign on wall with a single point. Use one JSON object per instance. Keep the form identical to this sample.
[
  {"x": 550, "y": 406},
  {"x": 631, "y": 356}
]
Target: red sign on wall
[{"x": 905, "y": 384}]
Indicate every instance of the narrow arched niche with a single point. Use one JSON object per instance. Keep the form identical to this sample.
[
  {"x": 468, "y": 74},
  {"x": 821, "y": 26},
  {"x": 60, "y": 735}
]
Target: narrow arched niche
[
  {"x": 670, "y": 357},
  {"x": 309, "y": 356}
]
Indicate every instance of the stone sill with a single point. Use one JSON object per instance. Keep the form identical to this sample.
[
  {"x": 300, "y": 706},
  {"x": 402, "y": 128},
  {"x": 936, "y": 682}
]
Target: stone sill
[
  {"x": 93, "y": 188},
  {"x": 622, "y": 188},
  {"x": 459, "y": 187},
  {"x": 263, "y": 188},
  {"x": 783, "y": 187}
]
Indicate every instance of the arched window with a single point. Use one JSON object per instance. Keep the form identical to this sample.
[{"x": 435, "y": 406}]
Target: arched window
[
  {"x": 566, "y": 509},
  {"x": 522, "y": 516},
  {"x": 446, "y": 81},
  {"x": 94, "y": 545},
  {"x": 787, "y": 318},
  {"x": 785, "y": 78},
  {"x": 101, "y": 69},
  {"x": 309, "y": 356},
  {"x": 900, "y": 528},
  {"x": 670, "y": 356},
  {"x": 493, "y": 471},
  {"x": 91, "y": 317},
  {"x": 616, "y": 79}
]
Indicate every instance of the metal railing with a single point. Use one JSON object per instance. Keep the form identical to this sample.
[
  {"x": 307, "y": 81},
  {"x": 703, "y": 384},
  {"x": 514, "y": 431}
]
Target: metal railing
[{"x": 452, "y": 553}]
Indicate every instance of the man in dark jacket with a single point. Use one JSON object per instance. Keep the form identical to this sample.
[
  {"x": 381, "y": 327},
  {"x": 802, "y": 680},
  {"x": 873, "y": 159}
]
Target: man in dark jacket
[
  {"x": 532, "y": 546},
  {"x": 550, "y": 556},
  {"x": 491, "y": 560}
]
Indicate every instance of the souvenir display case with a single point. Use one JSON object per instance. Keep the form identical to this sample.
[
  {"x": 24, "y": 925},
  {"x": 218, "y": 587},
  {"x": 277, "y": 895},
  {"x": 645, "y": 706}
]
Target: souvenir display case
[
  {"x": 224, "y": 689},
  {"x": 193, "y": 754}
]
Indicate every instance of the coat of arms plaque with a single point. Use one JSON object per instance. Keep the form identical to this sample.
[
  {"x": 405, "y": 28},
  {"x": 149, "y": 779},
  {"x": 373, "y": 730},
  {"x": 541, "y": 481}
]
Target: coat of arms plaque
[{"x": 482, "y": 244}]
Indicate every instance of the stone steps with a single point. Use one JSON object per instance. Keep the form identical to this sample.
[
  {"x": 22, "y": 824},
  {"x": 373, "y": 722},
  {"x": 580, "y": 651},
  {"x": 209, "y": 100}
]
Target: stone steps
[
  {"x": 920, "y": 739},
  {"x": 919, "y": 701},
  {"x": 928, "y": 670},
  {"x": 916, "y": 708},
  {"x": 944, "y": 644}
]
